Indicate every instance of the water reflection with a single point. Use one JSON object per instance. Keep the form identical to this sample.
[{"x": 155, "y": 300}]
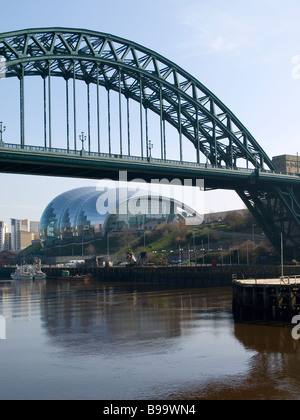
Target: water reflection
[
  {"x": 109, "y": 341},
  {"x": 267, "y": 338},
  {"x": 273, "y": 368},
  {"x": 102, "y": 315}
]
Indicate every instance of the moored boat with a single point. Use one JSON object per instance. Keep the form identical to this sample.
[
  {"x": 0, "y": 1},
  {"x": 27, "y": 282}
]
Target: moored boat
[
  {"x": 28, "y": 272},
  {"x": 38, "y": 274},
  {"x": 22, "y": 273}
]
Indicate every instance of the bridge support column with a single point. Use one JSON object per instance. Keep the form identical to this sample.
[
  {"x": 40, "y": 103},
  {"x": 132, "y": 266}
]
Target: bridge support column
[
  {"x": 164, "y": 134},
  {"x": 147, "y": 133},
  {"x": 22, "y": 110},
  {"x": 67, "y": 115},
  {"x": 197, "y": 137},
  {"x": 98, "y": 112},
  {"x": 120, "y": 114},
  {"x": 45, "y": 112},
  {"x": 89, "y": 117},
  {"x": 49, "y": 106},
  {"x": 74, "y": 107},
  {"x": 128, "y": 126},
  {"x": 141, "y": 118},
  {"x": 161, "y": 124},
  {"x": 108, "y": 121},
  {"x": 180, "y": 129}
]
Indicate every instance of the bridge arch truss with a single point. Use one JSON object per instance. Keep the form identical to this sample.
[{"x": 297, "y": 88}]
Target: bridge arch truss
[
  {"x": 139, "y": 74},
  {"x": 160, "y": 86}
]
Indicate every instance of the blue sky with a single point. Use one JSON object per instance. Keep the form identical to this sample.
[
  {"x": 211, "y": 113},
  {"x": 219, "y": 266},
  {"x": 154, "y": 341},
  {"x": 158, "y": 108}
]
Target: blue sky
[{"x": 242, "y": 51}]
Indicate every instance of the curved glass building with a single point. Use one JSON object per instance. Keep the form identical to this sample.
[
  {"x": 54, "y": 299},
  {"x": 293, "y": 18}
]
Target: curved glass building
[{"x": 88, "y": 212}]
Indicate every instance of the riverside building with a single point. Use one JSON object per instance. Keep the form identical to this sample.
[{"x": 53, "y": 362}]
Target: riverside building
[
  {"x": 88, "y": 213},
  {"x": 3, "y": 236},
  {"x": 21, "y": 234}
]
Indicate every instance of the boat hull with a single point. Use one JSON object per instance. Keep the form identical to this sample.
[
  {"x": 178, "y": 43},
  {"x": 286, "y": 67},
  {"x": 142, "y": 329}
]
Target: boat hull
[
  {"x": 28, "y": 272},
  {"x": 21, "y": 277}
]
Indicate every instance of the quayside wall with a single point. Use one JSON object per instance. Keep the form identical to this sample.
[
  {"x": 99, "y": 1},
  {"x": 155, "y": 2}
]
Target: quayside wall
[
  {"x": 203, "y": 276},
  {"x": 266, "y": 300}
]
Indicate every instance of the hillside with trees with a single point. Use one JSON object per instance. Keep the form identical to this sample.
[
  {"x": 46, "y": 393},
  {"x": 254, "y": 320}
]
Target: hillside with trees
[{"x": 233, "y": 239}]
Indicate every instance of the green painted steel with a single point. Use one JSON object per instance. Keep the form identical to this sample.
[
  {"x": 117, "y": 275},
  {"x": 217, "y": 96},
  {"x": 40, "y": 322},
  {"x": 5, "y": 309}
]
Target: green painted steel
[
  {"x": 124, "y": 66},
  {"x": 164, "y": 88}
]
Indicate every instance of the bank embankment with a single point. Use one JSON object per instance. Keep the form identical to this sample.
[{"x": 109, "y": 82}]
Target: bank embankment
[{"x": 199, "y": 276}]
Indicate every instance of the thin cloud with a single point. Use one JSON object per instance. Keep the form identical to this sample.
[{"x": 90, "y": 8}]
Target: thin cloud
[
  {"x": 238, "y": 30},
  {"x": 224, "y": 33}
]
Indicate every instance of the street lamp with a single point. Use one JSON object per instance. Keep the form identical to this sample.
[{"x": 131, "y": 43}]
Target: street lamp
[
  {"x": 221, "y": 249},
  {"x": 82, "y": 138},
  {"x": 255, "y": 155},
  {"x": 2, "y": 130},
  {"x": 150, "y": 147},
  {"x": 180, "y": 256},
  {"x": 194, "y": 246},
  {"x": 108, "y": 246},
  {"x": 247, "y": 253},
  {"x": 253, "y": 226}
]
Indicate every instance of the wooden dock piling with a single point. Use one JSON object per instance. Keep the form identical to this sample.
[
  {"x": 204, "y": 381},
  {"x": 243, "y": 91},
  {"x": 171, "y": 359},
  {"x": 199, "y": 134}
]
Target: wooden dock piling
[{"x": 266, "y": 300}]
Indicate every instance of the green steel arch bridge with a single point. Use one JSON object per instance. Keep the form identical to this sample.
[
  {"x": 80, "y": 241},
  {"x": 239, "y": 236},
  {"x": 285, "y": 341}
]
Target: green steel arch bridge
[{"x": 141, "y": 88}]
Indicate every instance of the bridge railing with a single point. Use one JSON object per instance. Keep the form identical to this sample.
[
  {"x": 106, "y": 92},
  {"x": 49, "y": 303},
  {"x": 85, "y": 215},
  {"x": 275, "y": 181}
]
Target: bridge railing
[{"x": 56, "y": 150}]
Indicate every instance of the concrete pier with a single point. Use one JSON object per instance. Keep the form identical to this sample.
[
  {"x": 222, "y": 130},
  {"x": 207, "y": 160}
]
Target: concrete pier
[{"x": 266, "y": 300}]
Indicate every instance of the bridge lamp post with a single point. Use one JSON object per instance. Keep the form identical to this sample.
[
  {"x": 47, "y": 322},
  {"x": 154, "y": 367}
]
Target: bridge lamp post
[
  {"x": 255, "y": 155},
  {"x": 82, "y": 138},
  {"x": 2, "y": 130},
  {"x": 150, "y": 147}
]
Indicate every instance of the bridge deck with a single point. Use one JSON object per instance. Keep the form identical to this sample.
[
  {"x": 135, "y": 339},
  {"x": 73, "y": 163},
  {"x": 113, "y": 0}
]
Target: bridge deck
[{"x": 60, "y": 162}]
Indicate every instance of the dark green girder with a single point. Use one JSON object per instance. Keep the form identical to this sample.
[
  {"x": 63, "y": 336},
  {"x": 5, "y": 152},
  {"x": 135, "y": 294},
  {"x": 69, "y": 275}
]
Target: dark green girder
[
  {"x": 167, "y": 90},
  {"x": 117, "y": 63}
]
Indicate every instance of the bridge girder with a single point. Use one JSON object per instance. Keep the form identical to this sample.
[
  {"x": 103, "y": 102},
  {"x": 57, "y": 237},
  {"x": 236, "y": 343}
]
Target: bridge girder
[
  {"x": 140, "y": 74},
  {"x": 167, "y": 90}
]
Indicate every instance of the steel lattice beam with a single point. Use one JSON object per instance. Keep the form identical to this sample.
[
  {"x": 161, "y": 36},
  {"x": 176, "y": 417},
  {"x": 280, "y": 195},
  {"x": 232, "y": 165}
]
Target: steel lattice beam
[
  {"x": 188, "y": 105},
  {"x": 167, "y": 90}
]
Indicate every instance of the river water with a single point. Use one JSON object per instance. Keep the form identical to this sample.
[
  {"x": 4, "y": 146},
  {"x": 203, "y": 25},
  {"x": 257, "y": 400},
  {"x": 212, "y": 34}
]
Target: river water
[{"x": 81, "y": 341}]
